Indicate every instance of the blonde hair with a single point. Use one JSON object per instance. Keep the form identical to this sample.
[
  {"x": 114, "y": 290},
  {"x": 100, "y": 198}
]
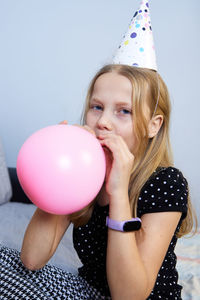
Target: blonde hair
[{"x": 148, "y": 87}]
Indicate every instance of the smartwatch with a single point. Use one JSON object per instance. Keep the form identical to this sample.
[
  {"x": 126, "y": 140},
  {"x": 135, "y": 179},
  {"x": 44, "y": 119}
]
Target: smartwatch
[{"x": 133, "y": 224}]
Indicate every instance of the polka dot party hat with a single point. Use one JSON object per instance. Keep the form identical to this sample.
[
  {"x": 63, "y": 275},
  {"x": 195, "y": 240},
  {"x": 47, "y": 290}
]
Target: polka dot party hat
[{"x": 137, "y": 46}]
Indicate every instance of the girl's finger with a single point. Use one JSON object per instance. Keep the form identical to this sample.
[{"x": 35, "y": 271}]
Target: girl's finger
[{"x": 63, "y": 122}]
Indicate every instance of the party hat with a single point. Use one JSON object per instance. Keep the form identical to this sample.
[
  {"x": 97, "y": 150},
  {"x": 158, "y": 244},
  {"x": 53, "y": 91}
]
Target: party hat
[{"x": 137, "y": 46}]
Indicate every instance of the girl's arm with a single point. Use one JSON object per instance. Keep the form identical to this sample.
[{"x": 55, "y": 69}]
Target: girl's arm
[
  {"x": 134, "y": 258},
  {"x": 42, "y": 237},
  {"x": 43, "y": 234}
]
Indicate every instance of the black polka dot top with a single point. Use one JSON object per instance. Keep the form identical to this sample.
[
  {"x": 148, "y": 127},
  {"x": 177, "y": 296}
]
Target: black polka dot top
[{"x": 166, "y": 190}]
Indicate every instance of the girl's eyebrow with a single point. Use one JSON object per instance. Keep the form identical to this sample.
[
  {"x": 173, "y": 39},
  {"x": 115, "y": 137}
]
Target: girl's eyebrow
[
  {"x": 120, "y": 103},
  {"x": 95, "y": 100},
  {"x": 123, "y": 103}
]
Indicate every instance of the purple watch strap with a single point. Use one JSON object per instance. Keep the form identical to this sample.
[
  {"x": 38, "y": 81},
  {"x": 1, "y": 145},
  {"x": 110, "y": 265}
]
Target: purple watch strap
[{"x": 119, "y": 225}]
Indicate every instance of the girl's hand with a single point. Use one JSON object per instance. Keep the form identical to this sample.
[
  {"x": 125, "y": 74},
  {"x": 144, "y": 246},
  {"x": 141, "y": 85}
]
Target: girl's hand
[
  {"x": 63, "y": 122},
  {"x": 119, "y": 163}
]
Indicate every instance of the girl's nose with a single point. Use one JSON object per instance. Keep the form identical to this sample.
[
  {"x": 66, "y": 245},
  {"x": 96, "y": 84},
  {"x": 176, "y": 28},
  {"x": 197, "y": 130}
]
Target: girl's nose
[{"x": 104, "y": 122}]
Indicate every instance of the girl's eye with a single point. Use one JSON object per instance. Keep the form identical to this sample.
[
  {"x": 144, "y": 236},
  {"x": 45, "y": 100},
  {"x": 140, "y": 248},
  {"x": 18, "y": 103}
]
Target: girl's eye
[
  {"x": 125, "y": 111},
  {"x": 96, "y": 107}
]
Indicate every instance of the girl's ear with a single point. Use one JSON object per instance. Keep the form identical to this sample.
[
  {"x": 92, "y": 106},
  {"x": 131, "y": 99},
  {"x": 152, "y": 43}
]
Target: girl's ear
[{"x": 154, "y": 125}]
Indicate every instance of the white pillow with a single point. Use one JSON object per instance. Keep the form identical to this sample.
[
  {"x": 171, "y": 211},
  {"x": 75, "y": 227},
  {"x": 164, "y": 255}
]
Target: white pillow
[{"x": 5, "y": 186}]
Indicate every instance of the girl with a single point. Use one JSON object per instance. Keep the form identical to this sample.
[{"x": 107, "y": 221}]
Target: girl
[{"x": 124, "y": 257}]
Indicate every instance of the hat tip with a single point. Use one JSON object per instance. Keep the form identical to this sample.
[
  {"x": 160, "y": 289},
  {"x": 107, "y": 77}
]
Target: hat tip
[{"x": 137, "y": 47}]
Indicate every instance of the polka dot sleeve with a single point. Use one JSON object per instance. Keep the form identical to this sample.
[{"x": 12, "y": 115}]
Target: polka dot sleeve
[{"x": 166, "y": 190}]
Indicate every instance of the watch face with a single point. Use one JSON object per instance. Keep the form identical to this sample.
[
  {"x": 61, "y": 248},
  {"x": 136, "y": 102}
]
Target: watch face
[{"x": 132, "y": 226}]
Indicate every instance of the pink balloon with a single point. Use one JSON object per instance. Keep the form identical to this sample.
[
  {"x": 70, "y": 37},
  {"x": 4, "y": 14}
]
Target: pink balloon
[{"x": 61, "y": 168}]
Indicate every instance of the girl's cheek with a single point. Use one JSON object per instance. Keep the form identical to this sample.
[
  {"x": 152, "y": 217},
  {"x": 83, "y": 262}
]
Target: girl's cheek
[{"x": 88, "y": 119}]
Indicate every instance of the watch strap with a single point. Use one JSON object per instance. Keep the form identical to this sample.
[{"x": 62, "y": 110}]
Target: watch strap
[{"x": 133, "y": 224}]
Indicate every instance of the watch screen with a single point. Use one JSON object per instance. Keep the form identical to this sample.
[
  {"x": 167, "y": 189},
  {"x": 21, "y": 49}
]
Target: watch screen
[{"x": 132, "y": 226}]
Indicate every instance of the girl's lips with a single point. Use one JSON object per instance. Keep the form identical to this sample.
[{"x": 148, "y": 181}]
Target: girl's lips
[{"x": 101, "y": 136}]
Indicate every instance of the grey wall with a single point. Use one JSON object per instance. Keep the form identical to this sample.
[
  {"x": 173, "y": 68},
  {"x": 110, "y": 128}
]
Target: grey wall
[{"x": 50, "y": 49}]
